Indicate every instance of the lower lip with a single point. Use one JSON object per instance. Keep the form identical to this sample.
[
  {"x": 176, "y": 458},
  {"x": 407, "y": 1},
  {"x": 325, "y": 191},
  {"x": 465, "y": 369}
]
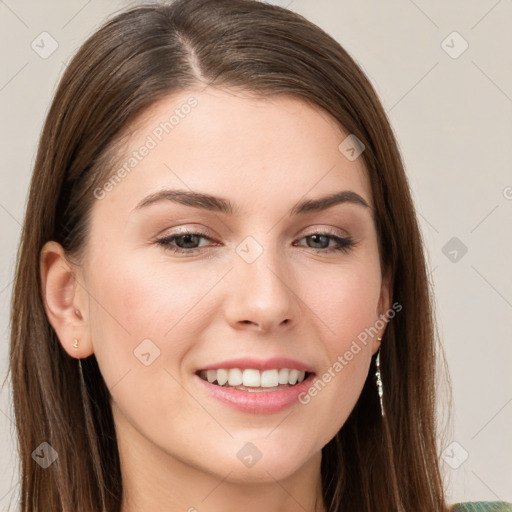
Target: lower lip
[{"x": 258, "y": 402}]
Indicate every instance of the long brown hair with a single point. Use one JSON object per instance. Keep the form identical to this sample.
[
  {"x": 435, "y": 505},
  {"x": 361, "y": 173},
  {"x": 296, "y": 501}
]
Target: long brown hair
[{"x": 388, "y": 463}]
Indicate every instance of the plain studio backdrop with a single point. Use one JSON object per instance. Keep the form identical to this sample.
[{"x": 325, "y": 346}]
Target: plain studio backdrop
[{"x": 443, "y": 72}]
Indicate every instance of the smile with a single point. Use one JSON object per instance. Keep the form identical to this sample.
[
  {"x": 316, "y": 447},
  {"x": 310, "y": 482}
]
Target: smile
[
  {"x": 251, "y": 379},
  {"x": 255, "y": 399}
]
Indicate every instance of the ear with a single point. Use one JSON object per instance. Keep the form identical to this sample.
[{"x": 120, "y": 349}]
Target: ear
[
  {"x": 383, "y": 307},
  {"x": 65, "y": 300}
]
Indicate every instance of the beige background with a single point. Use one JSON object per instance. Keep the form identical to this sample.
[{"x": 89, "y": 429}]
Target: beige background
[{"x": 452, "y": 117}]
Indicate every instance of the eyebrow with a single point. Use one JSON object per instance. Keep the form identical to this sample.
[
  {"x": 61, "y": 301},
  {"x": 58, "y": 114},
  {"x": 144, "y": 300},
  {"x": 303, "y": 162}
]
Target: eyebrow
[{"x": 221, "y": 205}]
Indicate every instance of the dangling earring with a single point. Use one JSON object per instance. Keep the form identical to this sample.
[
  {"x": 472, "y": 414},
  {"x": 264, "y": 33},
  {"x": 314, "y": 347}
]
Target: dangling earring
[{"x": 379, "y": 380}]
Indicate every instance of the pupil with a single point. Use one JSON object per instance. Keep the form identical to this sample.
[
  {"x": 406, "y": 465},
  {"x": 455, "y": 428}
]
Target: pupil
[
  {"x": 187, "y": 238},
  {"x": 317, "y": 237}
]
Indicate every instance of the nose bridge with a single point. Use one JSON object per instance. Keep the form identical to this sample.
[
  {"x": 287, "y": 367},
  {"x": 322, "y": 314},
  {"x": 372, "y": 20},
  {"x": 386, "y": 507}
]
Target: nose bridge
[{"x": 262, "y": 286}]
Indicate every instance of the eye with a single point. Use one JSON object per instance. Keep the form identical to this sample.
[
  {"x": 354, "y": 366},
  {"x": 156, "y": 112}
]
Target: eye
[
  {"x": 322, "y": 239},
  {"x": 187, "y": 242}
]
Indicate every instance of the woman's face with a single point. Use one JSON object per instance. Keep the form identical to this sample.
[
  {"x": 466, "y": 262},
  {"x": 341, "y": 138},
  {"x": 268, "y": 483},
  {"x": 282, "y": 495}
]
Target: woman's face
[{"x": 264, "y": 284}]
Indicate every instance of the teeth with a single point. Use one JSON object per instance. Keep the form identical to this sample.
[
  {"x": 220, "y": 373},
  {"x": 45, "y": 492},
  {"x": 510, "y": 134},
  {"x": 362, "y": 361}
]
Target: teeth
[
  {"x": 222, "y": 377},
  {"x": 252, "y": 378},
  {"x": 292, "y": 377},
  {"x": 235, "y": 377},
  {"x": 283, "y": 376},
  {"x": 269, "y": 378}
]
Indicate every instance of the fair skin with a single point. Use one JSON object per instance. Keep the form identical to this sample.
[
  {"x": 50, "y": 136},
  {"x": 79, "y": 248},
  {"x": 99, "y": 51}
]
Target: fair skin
[{"x": 178, "y": 445}]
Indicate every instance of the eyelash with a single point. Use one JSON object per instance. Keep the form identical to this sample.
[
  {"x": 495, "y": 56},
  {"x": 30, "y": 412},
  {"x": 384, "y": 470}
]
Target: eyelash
[{"x": 344, "y": 244}]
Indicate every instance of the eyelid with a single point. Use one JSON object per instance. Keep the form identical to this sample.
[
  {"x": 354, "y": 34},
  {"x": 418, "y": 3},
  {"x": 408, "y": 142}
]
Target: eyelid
[
  {"x": 188, "y": 229},
  {"x": 327, "y": 230},
  {"x": 343, "y": 243},
  {"x": 201, "y": 230}
]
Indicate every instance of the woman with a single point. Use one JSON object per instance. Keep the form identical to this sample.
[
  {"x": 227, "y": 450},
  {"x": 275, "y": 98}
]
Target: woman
[{"x": 221, "y": 297}]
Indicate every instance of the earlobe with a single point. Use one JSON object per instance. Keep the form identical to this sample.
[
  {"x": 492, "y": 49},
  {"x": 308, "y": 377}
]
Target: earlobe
[{"x": 64, "y": 302}]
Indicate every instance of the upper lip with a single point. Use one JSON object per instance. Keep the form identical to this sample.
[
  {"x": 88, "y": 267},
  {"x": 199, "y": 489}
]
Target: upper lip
[{"x": 260, "y": 364}]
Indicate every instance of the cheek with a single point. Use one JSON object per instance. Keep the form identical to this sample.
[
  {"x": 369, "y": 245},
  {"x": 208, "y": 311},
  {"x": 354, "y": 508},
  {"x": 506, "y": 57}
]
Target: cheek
[
  {"x": 140, "y": 300},
  {"x": 354, "y": 324},
  {"x": 345, "y": 301},
  {"x": 142, "y": 326}
]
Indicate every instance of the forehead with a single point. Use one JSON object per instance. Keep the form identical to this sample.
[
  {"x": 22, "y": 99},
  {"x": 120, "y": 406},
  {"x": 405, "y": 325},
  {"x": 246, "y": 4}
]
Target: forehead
[{"x": 273, "y": 149}]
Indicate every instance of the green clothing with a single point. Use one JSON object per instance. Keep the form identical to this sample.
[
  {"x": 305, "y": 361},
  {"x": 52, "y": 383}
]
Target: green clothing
[{"x": 482, "y": 506}]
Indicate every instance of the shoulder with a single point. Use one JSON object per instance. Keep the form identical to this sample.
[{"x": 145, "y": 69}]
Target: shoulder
[{"x": 482, "y": 506}]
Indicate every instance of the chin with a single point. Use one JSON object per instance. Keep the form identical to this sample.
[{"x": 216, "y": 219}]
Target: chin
[{"x": 260, "y": 460}]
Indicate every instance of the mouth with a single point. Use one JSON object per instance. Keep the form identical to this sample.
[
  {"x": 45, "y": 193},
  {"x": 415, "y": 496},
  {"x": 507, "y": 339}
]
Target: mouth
[
  {"x": 254, "y": 380},
  {"x": 256, "y": 386}
]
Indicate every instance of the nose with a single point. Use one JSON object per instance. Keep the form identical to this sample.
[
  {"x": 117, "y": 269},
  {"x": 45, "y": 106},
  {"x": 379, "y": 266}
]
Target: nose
[{"x": 261, "y": 294}]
